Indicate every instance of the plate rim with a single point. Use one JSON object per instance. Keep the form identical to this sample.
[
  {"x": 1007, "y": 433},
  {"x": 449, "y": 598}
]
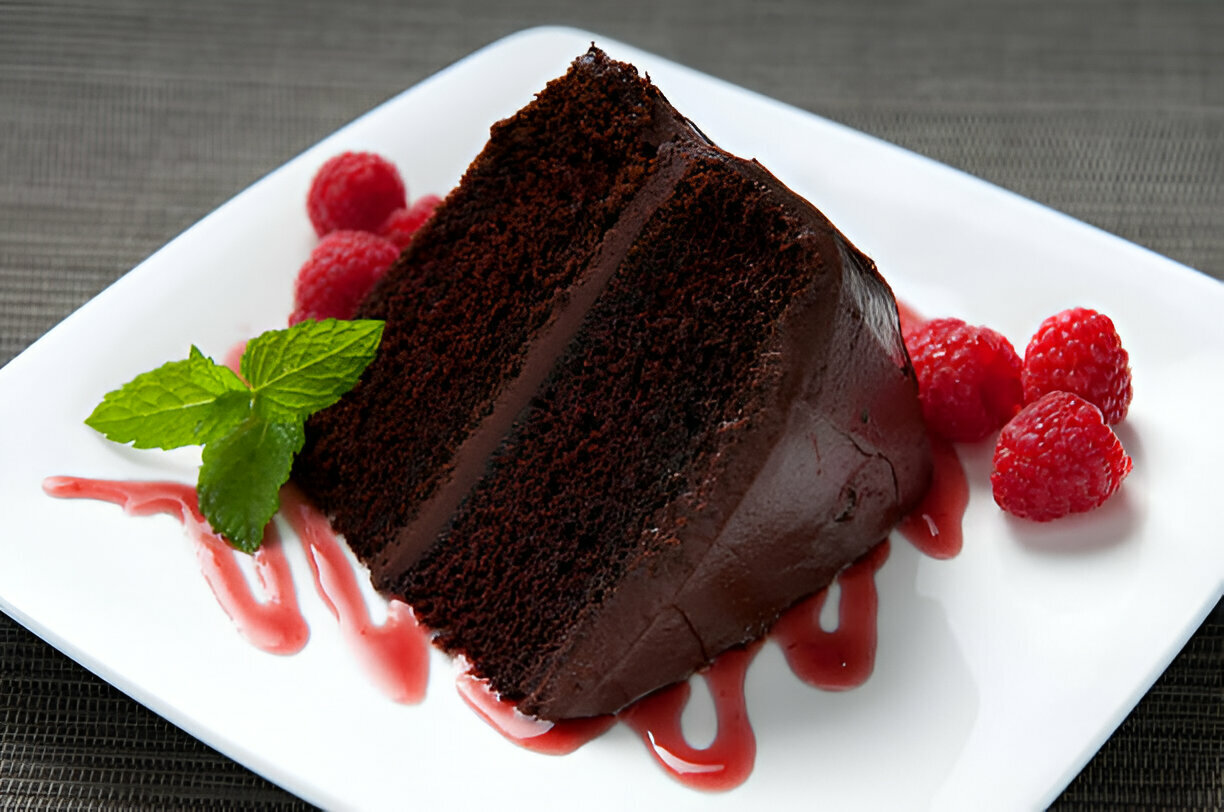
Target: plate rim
[{"x": 33, "y": 354}]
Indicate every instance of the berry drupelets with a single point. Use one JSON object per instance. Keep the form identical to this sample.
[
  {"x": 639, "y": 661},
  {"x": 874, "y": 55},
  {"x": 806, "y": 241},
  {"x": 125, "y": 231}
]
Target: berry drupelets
[
  {"x": 1057, "y": 457},
  {"x": 354, "y": 191},
  {"x": 402, "y": 223},
  {"x": 341, "y": 270},
  {"x": 968, "y": 378},
  {"x": 1078, "y": 350}
]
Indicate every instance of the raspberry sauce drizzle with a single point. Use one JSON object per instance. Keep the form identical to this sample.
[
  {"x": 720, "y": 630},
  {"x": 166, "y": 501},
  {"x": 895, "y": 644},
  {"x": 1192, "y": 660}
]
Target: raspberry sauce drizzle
[
  {"x": 395, "y": 653},
  {"x": 727, "y": 761},
  {"x": 844, "y": 658},
  {"x": 724, "y": 764},
  {"x": 537, "y": 735},
  {"x": 274, "y": 624},
  {"x": 829, "y": 660},
  {"x": 934, "y": 527}
]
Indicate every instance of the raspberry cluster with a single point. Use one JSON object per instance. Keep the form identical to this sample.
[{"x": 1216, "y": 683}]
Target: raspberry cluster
[
  {"x": 359, "y": 207},
  {"x": 1057, "y": 455}
]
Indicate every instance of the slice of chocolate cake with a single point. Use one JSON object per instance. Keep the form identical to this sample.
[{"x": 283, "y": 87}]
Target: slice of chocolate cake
[{"x": 634, "y": 398}]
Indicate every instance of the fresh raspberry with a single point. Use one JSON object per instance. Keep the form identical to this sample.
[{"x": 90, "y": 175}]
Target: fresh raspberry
[
  {"x": 401, "y": 224},
  {"x": 968, "y": 378},
  {"x": 354, "y": 191},
  {"x": 1079, "y": 351},
  {"x": 340, "y": 271},
  {"x": 1057, "y": 456}
]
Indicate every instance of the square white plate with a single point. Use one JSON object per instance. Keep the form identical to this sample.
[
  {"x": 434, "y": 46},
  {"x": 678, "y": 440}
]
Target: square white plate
[{"x": 999, "y": 673}]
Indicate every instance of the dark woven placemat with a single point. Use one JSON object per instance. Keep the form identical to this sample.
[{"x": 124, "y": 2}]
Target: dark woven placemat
[{"x": 121, "y": 123}]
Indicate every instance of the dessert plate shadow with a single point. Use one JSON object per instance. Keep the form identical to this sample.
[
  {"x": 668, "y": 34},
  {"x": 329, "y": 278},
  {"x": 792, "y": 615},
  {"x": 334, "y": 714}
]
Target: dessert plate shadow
[{"x": 998, "y": 673}]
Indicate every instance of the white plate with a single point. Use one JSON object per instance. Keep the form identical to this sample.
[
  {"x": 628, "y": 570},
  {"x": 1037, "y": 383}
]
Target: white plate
[{"x": 999, "y": 673}]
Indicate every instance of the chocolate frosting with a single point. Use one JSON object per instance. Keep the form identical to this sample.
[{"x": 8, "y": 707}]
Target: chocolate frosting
[{"x": 838, "y": 458}]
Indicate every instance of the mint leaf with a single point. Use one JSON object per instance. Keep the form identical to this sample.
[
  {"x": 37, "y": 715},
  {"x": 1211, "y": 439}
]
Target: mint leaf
[
  {"x": 241, "y": 476},
  {"x": 299, "y": 371},
  {"x": 250, "y": 433},
  {"x": 181, "y": 403}
]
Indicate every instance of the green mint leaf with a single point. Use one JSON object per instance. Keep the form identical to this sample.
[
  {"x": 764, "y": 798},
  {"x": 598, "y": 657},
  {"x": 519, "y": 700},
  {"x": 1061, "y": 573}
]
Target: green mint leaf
[
  {"x": 299, "y": 371},
  {"x": 181, "y": 403},
  {"x": 250, "y": 433},
  {"x": 241, "y": 476}
]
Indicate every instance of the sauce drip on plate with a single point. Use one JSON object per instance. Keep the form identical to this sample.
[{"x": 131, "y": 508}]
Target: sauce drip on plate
[{"x": 396, "y": 652}]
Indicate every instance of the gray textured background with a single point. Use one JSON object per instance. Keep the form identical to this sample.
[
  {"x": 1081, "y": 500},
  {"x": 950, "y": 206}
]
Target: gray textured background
[{"x": 123, "y": 123}]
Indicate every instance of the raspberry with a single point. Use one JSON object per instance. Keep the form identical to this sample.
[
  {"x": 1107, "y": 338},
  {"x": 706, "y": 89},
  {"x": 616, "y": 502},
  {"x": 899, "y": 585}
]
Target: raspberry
[
  {"x": 354, "y": 191},
  {"x": 1079, "y": 351},
  {"x": 340, "y": 271},
  {"x": 402, "y": 223},
  {"x": 968, "y": 378},
  {"x": 1057, "y": 456}
]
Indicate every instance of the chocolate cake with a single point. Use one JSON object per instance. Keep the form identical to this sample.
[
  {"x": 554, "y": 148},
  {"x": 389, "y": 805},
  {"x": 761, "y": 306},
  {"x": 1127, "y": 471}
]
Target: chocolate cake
[{"x": 634, "y": 399}]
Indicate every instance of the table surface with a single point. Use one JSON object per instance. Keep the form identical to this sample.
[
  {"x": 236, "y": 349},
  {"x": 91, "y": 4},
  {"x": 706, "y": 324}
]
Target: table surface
[{"x": 122, "y": 123}]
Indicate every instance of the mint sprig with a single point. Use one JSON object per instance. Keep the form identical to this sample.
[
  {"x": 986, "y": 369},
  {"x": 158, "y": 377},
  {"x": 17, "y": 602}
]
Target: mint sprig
[
  {"x": 189, "y": 402},
  {"x": 241, "y": 476},
  {"x": 307, "y": 368},
  {"x": 251, "y": 430}
]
